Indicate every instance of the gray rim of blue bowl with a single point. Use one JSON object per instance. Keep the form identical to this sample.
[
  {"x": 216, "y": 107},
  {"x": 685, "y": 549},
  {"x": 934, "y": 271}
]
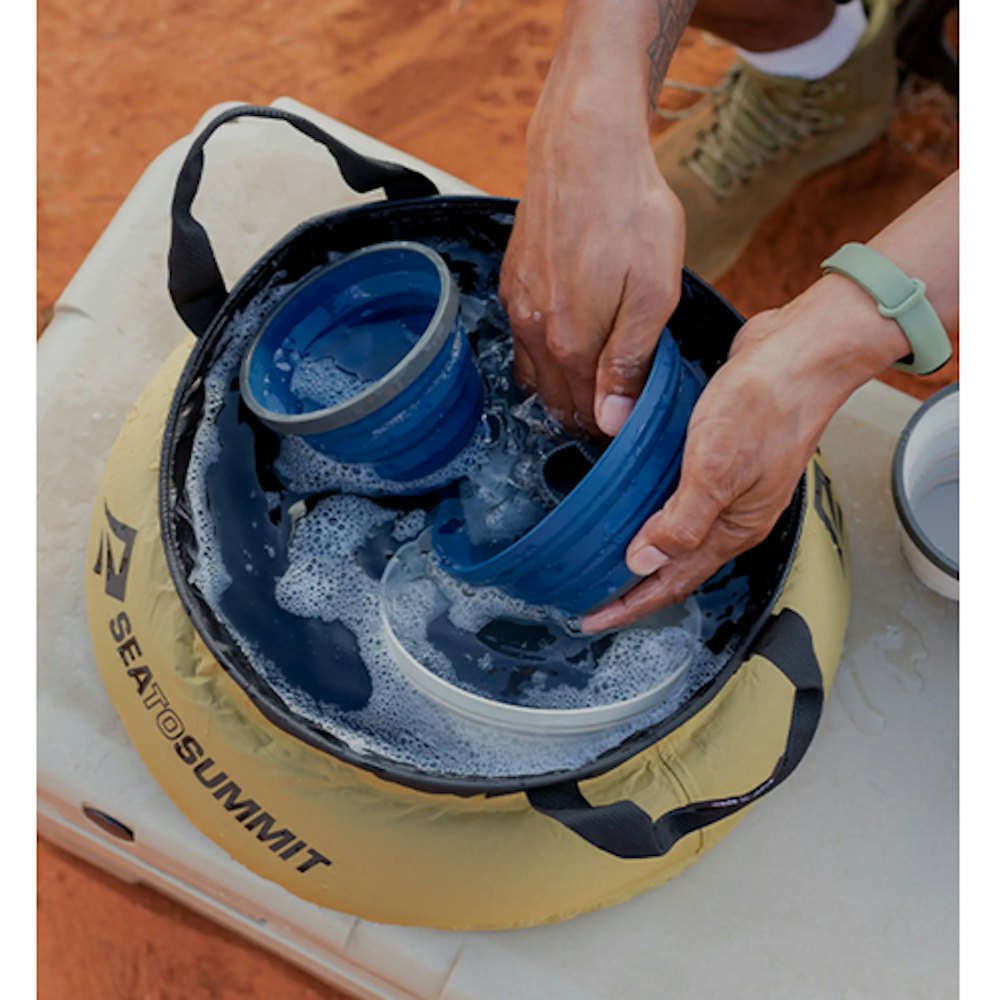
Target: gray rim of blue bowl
[
  {"x": 389, "y": 385},
  {"x": 905, "y": 511}
]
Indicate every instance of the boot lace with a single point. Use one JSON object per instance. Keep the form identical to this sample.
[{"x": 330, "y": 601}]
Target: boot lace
[{"x": 751, "y": 127}]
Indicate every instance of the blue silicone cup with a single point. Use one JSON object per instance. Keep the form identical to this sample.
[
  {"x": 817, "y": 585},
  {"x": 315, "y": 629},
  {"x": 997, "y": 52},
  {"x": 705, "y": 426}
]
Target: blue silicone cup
[
  {"x": 574, "y": 558},
  {"x": 386, "y": 317}
]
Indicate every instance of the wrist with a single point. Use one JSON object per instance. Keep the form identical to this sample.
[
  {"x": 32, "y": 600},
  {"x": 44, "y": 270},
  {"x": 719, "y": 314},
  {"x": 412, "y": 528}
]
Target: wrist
[
  {"x": 587, "y": 105},
  {"x": 899, "y": 297},
  {"x": 837, "y": 329}
]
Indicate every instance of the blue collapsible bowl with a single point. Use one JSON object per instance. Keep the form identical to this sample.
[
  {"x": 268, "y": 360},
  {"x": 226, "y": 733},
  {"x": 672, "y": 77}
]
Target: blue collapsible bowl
[
  {"x": 574, "y": 558},
  {"x": 367, "y": 362}
]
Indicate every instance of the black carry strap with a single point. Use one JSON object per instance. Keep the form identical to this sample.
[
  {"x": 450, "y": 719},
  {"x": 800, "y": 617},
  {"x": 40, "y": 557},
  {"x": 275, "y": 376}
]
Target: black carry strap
[
  {"x": 195, "y": 282},
  {"x": 627, "y": 831}
]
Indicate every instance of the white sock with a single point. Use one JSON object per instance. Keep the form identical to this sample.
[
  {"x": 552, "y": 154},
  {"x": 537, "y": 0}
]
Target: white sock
[{"x": 819, "y": 56}]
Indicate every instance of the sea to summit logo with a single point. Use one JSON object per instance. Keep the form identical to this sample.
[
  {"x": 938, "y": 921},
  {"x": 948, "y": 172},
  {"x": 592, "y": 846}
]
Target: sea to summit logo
[{"x": 114, "y": 555}]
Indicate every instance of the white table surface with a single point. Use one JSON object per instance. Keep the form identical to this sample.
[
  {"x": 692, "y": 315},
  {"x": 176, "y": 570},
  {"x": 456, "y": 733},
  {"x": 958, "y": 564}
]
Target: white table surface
[{"x": 843, "y": 883}]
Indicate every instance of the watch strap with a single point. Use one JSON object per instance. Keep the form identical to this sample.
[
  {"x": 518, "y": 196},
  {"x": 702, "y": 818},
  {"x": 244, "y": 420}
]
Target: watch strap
[{"x": 898, "y": 297}]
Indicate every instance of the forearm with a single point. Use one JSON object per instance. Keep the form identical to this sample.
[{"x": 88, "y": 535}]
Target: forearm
[
  {"x": 923, "y": 241},
  {"x": 609, "y": 64}
]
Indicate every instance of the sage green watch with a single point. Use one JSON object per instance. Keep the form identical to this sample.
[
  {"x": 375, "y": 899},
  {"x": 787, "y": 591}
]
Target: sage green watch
[{"x": 899, "y": 297}]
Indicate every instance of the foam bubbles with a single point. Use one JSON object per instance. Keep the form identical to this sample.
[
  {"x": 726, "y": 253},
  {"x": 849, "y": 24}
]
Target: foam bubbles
[{"x": 320, "y": 382}]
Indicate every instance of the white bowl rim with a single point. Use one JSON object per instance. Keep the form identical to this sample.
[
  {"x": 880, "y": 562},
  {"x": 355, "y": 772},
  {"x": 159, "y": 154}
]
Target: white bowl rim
[{"x": 904, "y": 510}]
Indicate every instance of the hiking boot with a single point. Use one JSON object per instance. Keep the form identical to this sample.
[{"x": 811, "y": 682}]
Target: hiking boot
[{"x": 737, "y": 155}]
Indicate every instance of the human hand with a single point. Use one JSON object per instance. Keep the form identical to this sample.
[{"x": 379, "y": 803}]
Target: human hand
[
  {"x": 751, "y": 434},
  {"x": 593, "y": 269}
]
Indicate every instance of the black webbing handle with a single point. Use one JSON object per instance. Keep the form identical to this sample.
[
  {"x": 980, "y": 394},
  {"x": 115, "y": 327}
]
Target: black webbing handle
[
  {"x": 627, "y": 831},
  {"x": 194, "y": 279}
]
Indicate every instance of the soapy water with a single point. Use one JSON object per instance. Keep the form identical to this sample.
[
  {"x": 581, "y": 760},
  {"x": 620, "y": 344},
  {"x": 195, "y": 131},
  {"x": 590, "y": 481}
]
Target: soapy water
[
  {"x": 338, "y": 526},
  {"x": 318, "y": 383},
  {"x": 335, "y": 369},
  {"x": 332, "y": 577},
  {"x": 337, "y": 341}
]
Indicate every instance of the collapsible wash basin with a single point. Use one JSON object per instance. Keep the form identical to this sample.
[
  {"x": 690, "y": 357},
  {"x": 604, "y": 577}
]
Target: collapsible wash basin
[
  {"x": 368, "y": 362},
  {"x": 221, "y": 719}
]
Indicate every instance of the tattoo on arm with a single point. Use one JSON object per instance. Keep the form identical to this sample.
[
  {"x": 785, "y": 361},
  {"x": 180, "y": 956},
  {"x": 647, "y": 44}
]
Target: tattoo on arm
[{"x": 673, "y": 16}]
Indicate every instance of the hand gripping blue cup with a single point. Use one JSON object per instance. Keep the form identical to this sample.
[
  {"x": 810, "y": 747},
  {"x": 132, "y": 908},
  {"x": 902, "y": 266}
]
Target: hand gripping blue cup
[
  {"x": 367, "y": 361},
  {"x": 573, "y": 559}
]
